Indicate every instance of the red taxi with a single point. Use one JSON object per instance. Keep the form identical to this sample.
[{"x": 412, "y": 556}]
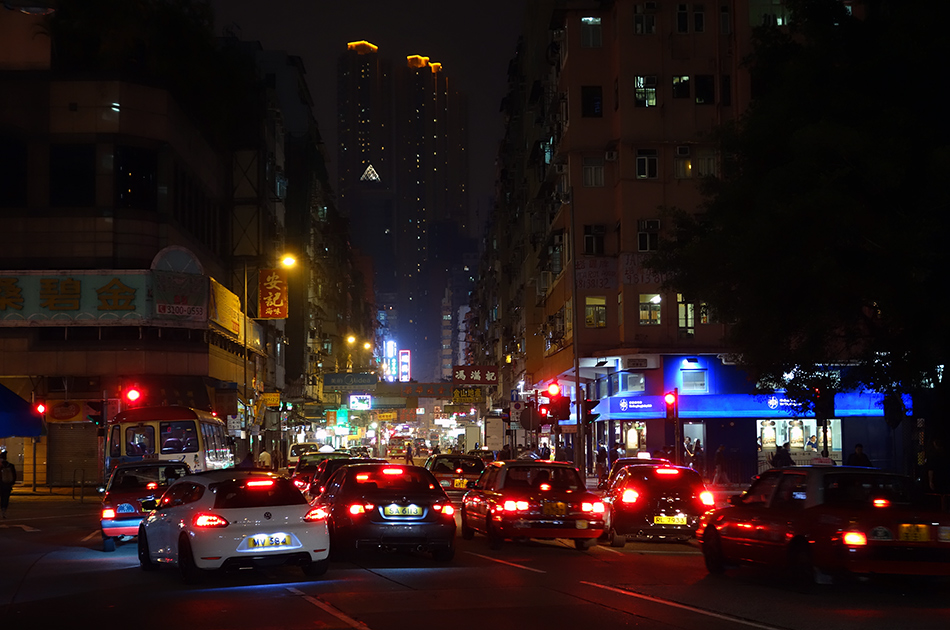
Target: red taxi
[
  {"x": 129, "y": 485},
  {"x": 455, "y": 471},
  {"x": 824, "y": 521},
  {"x": 532, "y": 499}
]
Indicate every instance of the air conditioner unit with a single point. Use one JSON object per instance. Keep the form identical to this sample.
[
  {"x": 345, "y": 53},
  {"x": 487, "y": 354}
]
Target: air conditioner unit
[
  {"x": 560, "y": 169},
  {"x": 682, "y": 150},
  {"x": 649, "y": 225},
  {"x": 610, "y": 156}
]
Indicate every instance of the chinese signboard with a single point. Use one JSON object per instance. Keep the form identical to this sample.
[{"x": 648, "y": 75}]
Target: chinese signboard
[
  {"x": 180, "y": 296},
  {"x": 467, "y": 395},
  {"x": 426, "y": 390},
  {"x": 475, "y": 375},
  {"x": 349, "y": 380},
  {"x": 404, "y": 366},
  {"x": 272, "y": 294},
  {"x": 596, "y": 273}
]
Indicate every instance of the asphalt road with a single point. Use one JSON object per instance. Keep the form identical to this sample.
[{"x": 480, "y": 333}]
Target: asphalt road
[{"x": 54, "y": 571}]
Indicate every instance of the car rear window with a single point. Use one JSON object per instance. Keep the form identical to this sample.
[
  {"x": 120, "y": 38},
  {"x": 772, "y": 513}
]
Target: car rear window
[
  {"x": 863, "y": 488},
  {"x": 559, "y": 477},
  {"x": 140, "y": 477},
  {"x": 256, "y": 492},
  {"x": 389, "y": 478},
  {"x": 469, "y": 465},
  {"x": 672, "y": 478}
]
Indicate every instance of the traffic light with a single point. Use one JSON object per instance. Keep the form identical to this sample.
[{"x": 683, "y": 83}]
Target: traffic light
[
  {"x": 554, "y": 390},
  {"x": 589, "y": 415},
  {"x": 544, "y": 412},
  {"x": 94, "y": 412},
  {"x": 671, "y": 399},
  {"x": 39, "y": 407},
  {"x": 132, "y": 395},
  {"x": 564, "y": 408},
  {"x": 824, "y": 404}
]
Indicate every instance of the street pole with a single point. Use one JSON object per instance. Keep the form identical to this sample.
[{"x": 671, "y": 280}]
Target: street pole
[
  {"x": 244, "y": 427},
  {"x": 580, "y": 443}
]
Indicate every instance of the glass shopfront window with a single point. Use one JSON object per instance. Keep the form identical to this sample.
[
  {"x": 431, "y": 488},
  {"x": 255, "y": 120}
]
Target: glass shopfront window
[{"x": 805, "y": 439}]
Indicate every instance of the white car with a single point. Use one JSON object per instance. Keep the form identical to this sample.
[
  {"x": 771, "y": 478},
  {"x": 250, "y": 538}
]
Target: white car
[{"x": 233, "y": 518}]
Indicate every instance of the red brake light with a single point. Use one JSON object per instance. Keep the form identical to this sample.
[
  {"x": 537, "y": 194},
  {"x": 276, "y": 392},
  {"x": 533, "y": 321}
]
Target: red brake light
[
  {"x": 544, "y": 487},
  {"x": 448, "y": 510},
  {"x": 108, "y": 513},
  {"x": 667, "y": 471},
  {"x": 392, "y": 471},
  {"x": 300, "y": 483},
  {"x": 707, "y": 498},
  {"x": 360, "y": 508},
  {"x": 854, "y": 539},
  {"x": 630, "y": 496},
  {"x": 260, "y": 483},
  {"x": 209, "y": 520},
  {"x": 597, "y": 507},
  {"x": 515, "y": 506},
  {"x": 362, "y": 477},
  {"x": 458, "y": 471},
  {"x": 881, "y": 503},
  {"x": 315, "y": 514},
  {"x": 151, "y": 485}
]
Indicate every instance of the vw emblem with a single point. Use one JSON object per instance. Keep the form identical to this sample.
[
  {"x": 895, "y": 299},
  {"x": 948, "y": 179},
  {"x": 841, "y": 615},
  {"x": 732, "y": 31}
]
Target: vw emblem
[
  {"x": 267, "y": 515},
  {"x": 773, "y": 402}
]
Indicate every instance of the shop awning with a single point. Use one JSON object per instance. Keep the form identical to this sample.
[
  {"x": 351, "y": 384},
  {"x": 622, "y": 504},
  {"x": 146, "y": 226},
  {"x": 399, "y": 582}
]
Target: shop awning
[{"x": 17, "y": 418}]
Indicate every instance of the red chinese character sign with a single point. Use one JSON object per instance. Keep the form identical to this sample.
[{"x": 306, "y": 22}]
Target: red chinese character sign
[
  {"x": 272, "y": 292},
  {"x": 475, "y": 375}
]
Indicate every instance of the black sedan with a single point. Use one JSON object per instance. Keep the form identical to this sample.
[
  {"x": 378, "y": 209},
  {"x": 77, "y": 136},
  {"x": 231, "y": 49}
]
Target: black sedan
[
  {"x": 388, "y": 506},
  {"x": 658, "y": 501},
  {"x": 317, "y": 482}
]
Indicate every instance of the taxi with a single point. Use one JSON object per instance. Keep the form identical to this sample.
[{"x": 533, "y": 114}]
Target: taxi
[
  {"x": 524, "y": 498},
  {"x": 455, "y": 471},
  {"x": 129, "y": 485},
  {"x": 822, "y": 522}
]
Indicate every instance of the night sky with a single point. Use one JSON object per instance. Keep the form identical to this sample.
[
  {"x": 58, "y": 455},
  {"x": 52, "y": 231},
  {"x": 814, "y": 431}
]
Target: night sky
[{"x": 474, "y": 41}]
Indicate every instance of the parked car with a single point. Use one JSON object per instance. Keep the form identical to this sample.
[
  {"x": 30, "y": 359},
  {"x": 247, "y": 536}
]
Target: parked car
[
  {"x": 128, "y": 486},
  {"x": 657, "y": 501},
  {"x": 388, "y": 506},
  {"x": 620, "y": 462},
  {"x": 532, "y": 499},
  {"x": 233, "y": 518},
  {"x": 455, "y": 471},
  {"x": 818, "y": 522}
]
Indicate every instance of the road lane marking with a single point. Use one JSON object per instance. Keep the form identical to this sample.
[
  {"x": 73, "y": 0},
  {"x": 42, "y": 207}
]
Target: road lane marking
[
  {"x": 510, "y": 564},
  {"x": 25, "y": 528},
  {"x": 353, "y": 623},
  {"x": 91, "y": 536},
  {"x": 672, "y": 604}
]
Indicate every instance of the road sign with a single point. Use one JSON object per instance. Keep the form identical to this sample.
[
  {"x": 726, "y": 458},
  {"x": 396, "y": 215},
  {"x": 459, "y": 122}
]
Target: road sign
[
  {"x": 514, "y": 412},
  {"x": 340, "y": 381}
]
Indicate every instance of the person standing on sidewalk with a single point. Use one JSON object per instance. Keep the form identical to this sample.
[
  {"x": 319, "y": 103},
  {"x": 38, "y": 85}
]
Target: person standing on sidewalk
[
  {"x": 720, "y": 476},
  {"x": 7, "y": 479}
]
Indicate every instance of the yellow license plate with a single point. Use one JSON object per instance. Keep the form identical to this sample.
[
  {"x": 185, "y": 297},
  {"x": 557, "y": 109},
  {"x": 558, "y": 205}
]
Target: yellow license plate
[
  {"x": 679, "y": 519},
  {"x": 554, "y": 508},
  {"x": 402, "y": 510},
  {"x": 460, "y": 483},
  {"x": 279, "y": 540},
  {"x": 913, "y": 533}
]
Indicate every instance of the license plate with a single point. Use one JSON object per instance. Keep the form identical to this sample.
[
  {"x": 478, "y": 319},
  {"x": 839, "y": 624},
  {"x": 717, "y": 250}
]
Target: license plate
[
  {"x": 679, "y": 519},
  {"x": 913, "y": 533},
  {"x": 554, "y": 508},
  {"x": 460, "y": 483},
  {"x": 402, "y": 510},
  {"x": 581, "y": 524},
  {"x": 265, "y": 540}
]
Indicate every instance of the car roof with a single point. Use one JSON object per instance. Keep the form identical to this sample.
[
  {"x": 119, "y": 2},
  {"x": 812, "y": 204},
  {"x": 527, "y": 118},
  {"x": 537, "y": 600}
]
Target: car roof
[
  {"x": 455, "y": 456},
  {"x": 534, "y": 463},
  {"x": 228, "y": 474}
]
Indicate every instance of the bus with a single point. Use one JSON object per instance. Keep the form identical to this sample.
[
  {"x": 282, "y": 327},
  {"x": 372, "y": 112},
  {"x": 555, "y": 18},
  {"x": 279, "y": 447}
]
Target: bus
[{"x": 179, "y": 434}]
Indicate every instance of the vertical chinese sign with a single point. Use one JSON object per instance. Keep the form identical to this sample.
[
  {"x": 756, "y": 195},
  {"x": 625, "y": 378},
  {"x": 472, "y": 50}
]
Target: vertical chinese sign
[{"x": 272, "y": 294}]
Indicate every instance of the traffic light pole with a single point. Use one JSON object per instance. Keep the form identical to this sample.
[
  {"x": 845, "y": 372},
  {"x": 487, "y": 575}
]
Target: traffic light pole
[{"x": 580, "y": 441}]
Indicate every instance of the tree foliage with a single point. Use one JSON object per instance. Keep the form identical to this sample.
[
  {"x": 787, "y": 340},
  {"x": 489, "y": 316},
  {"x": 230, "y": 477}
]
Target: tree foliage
[{"x": 824, "y": 240}]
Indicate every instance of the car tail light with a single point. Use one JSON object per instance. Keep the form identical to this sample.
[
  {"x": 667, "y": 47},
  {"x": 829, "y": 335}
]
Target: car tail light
[
  {"x": 544, "y": 487},
  {"x": 360, "y": 508},
  {"x": 707, "y": 498},
  {"x": 392, "y": 471},
  {"x": 458, "y": 471},
  {"x": 667, "y": 471},
  {"x": 315, "y": 514},
  {"x": 300, "y": 483},
  {"x": 108, "y": 513},
  {"x": 515, "y": 506},
  {"x": 881, "y": 503},
  {"x": 362, "y": 477},
  {"x": 447, "y": 510},
  {"x": 630, "y": 496},
  {"x": 209, "y": 520},
  {"x": 854, "y": 539},
  {"x": 260, "y": 483},
  {"x": 596, "y": 507},
  {"x": 151, "y": 485}
]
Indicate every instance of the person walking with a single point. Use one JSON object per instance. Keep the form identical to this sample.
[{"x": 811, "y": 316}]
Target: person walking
[
  {"x": 7, "y": 479},
  {"x": 264, "y": 459},
  {"x": 601, "y": 464},
  {"x": 782, "y": 458},
  {"x": 409, "y": 459},
  {"x": 720, "y": 476},
  {"x": 859, "y": 457}
]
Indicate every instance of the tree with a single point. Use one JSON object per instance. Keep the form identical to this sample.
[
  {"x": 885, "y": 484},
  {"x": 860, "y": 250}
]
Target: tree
[{"x": 822, "y": 243}]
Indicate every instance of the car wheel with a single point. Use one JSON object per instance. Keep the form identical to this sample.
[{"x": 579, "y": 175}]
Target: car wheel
[
  {"x": 712, "y": 551},
  {"x": 617, "y": 540},
  {"x": 584, "y": 543},
  {"x": 467, "y": 532},
  {"x": 316, "y": 569},
  {"x": 108, "y": 543},
  {"x": 190, "y": 573},
  {"x": 145, "y": 560},
  {"x": 444, "y": 554},
  {"x": 495, "y": 539},
  {"x": 801, "y": 568}
]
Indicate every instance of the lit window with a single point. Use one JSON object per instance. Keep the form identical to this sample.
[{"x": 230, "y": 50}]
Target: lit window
[
  {"x": 590, "y": 32},
  {"x": 686, "y": 312},
  {"x": 681, "y": 86},
  {"x": 644, "y": 94},
  {"x": 649, "y": 309},
  {"x": 595, "y": 311},
  {"x": 694, "y": 380}
]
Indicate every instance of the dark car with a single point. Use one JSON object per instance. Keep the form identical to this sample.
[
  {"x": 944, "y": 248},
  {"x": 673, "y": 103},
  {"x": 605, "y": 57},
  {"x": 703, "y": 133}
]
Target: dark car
[
  {"x": 532, "y": 499},
  {"x": 816, "y": 522},
  {"x": 658, "y": 501},
  {"x": 326, "y": 468},
  {"x": 620, "y": 462},
  {"x": 388, "y": 506},
  {"x": 307, "y": 465},
  {"x": 128, "y": 486},
  {"x": 486, "y": 455},
  {"x": 455, "y": 471}
]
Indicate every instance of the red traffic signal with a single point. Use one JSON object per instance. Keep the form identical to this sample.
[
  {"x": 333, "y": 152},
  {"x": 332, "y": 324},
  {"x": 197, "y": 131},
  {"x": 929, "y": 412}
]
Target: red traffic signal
[
  {"x": 554, "y": 389},
  {"x": 40, "y": 407},
  {"x": 670, "y": 398},
  {"x": 133, "y": 394}
]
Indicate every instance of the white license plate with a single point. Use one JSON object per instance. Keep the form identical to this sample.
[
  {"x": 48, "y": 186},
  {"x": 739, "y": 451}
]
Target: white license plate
[
  {"x": 268, "y": 540},
  {"x": 402, "y": 510}
]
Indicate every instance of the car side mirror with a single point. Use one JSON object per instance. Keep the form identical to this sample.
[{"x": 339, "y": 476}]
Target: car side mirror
[{"x": 149, "y": 504}]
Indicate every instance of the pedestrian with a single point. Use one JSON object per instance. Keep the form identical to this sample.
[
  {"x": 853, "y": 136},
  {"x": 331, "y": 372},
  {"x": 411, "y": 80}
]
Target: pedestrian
[
  {"x": 859, "y": 457},
  {"x": 782, "y": 458},
  {"x": 601, "y": 463},
  {"x": 699, "y": 458},
  {"x": 264, "y": 459},
  {"x": 504, "y": 453},
  {"x": 720, "y": 476},
  {"x": 7, "y": 479},
  {"x": 688, "y": 451},
  {"x": 409, "y": 454}
]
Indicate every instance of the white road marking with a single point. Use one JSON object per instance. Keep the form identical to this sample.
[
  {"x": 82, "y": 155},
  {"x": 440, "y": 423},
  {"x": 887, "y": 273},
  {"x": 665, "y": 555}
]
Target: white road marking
[
  {"x": 694, "y": 609},
  {"x": 25, "y": 528},
  {"x": 510, "y": 564},
  {"x": 353, "y": 623},
  {"x": 92, "y": 535}
]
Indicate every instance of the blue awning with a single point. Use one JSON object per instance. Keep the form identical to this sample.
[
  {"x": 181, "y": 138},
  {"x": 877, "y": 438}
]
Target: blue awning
[{"x": 17, "y": 418}]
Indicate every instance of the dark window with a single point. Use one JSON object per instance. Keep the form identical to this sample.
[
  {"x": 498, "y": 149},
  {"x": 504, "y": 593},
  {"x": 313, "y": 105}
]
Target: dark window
[
  {"x": 72, "y": 175},
  {"x": 705, "y": 89},
  {"x": 243, "y": 493},
  {"x": 682, "y": 18},
  {"x": 647, "y": 164},
  {"x": 725, "y": 89},
  {"x": 12, "y": 172},
  {"x": 725, "y": 21},
  {"x": 699, "y": 18},
  {"x": 592, "y": 101},
  {"x": 594, "y": 239},
  {"x": 136, "y": 179},
  {"x": 681, "y": 86}
]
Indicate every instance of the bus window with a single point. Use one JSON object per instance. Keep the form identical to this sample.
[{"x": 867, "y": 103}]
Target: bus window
[
  {"x": 115, "y": 443},
  {"x": 179, "y": 436},
  {"x": 140, "y": 440}
]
